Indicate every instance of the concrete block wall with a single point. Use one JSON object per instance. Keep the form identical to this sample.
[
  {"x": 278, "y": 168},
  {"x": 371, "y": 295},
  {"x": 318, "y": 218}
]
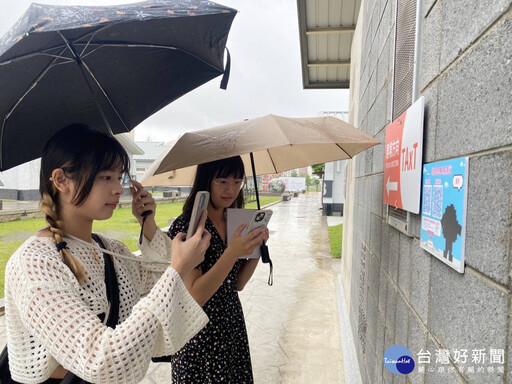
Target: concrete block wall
[{"x": 400, "y": 294}]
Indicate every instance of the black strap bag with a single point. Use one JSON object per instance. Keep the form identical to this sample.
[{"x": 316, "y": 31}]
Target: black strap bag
[{"x": 113, "y": 318}]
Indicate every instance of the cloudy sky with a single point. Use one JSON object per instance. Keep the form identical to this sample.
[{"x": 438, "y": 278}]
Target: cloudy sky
[{"x": 265, "y": 72}]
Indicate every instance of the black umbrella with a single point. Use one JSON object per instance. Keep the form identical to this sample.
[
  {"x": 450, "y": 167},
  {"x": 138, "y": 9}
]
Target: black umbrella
[{"x": 109, "y": 67}]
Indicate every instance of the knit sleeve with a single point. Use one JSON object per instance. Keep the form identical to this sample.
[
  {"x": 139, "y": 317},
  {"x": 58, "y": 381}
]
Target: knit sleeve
[
  {"x": 159, "y": 248},
  {"x": 50, "y": 307}
]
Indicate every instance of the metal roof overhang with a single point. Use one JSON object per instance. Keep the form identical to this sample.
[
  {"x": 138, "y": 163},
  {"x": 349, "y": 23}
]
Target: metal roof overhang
[{"x": 326, "y": 29}]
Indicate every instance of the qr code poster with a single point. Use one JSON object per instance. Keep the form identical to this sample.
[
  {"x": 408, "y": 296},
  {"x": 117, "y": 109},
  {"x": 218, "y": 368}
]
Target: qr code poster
[{"x": 443, "y": 210}]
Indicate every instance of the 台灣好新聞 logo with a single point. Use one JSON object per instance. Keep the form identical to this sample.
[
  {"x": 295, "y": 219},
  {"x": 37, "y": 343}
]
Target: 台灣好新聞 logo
[{"x": 398, "y": 359}]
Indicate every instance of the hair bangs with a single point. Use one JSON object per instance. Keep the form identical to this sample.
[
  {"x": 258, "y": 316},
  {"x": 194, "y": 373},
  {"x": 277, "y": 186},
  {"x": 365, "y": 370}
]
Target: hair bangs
[
  {"x": 114, "y": 158},
  {"x": 230, "y": 167}
]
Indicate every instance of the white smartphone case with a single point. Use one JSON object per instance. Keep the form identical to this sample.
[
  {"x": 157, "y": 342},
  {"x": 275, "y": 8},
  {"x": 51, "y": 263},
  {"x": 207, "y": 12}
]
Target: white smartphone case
[{"x": 200, "y": 204}]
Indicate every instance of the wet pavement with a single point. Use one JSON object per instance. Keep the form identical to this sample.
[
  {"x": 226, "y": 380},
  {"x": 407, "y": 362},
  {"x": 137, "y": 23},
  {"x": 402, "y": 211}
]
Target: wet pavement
[{"x": 293, "y": 326}]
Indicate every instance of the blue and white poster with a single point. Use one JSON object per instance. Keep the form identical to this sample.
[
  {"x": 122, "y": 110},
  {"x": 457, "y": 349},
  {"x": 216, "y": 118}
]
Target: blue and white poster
[{"x": 443, "y": 210}]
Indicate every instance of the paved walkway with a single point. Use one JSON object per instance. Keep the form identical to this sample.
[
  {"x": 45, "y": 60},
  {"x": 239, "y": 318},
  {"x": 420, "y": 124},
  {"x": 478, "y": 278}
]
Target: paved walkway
[{"x": 293, "y": 325}]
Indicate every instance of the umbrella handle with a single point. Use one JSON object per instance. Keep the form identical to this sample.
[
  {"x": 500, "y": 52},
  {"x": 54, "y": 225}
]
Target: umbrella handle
[
  {"x": 265, "y": 258},
  {"x": 144, "y": 215}
]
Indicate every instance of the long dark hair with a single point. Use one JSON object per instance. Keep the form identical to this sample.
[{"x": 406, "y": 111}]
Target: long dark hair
[
  {"x": 81, "y": 153},
  {"x": 206, "y": 172}
]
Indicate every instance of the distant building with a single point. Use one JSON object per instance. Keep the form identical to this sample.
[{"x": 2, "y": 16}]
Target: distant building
[
  {"x": 22, "y": 182},
  {"x": 333, "y": 187},
  {"x": 150, "y": 152}
]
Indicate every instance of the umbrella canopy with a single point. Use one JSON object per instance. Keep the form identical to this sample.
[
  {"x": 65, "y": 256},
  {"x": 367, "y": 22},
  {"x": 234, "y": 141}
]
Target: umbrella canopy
[
  {"x": 108, "y": 67},
  {"x": 277, "y": 144}
]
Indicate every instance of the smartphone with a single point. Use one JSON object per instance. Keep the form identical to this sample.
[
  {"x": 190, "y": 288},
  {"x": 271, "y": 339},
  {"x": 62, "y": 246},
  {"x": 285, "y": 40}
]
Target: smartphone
[
  {"x": 200, "y": 205},
  {"x": 260, "y": 219}
]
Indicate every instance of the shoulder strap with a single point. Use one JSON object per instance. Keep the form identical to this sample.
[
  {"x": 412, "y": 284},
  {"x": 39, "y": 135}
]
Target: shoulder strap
[{"x": 111, "y": 284}]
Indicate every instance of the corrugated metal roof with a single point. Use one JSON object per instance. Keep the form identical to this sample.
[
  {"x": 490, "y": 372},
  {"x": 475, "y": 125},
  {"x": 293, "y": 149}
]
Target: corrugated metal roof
[
  {"x": 326, "y": 30},
  {"x": 152, "y": 149}
]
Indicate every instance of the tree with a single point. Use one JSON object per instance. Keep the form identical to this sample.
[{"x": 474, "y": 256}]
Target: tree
[
  {"x": 294, "y": 173},
  {"x": 318, "y": 169}
]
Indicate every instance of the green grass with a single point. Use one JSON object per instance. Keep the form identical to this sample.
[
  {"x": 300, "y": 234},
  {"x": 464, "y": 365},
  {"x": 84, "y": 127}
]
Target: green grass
[
  {"x": 122, "y": 226},
  {"x": 264, "y": 200},
  {"x": 336, "y": 239}
]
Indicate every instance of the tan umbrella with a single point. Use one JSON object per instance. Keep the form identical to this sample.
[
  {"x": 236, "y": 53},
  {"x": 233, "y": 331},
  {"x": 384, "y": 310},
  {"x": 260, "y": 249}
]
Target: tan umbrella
[
  {"x": 276, "y": 143},
  {"x": 268, "y": 144}
]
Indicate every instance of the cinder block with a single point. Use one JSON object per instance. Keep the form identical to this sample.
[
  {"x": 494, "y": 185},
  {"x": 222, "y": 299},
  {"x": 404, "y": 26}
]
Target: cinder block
[
  {"x": 433, "y": 376},
  {"x": 391, "y": 310},
  {"x": 386, "y": 23},
  {"x": 383, "y": 64},
  {"x": 489, "y": 216},
  {"x": 508, "y": 353},
  {"x": 368, "y": 158},
  {"x": 374, "y": 51},
  {"x": 363, "y": 287},
  {"x": 373, "y": 266},
  {"x": 474, "y": 95},
  {"x": 378, "y": 158},
  {"x": 363, "y": 87},
  {"x": 383, "y": 284},
  {"x": 401, "y": 322},
  {"x": 372, "y": 85},
  {"x": 417, "y": 341},
  {"x": 458, "y": 33},
  {"x": 467, "y": 313},
  {"x": 394, "y": 252},
  {"x": 372, "y": 313},
  {"x": 366, "y": 8},
  {"x": 362, "y": 187},
  {"x": 360, "y": 224},
  {"x": 366, "y": 220},
  {"x": 379, "y": 353},
  {"x": 420, "y": 280},
  {"x": 430, "y": 126},
  {"x": 379, "y": 342},
  {"x": 377, "y": 372},
  {"x": 376, "y": 188},
  {"x": 388, "y": 342},
  {"x": 416, "y": 224},
  {"x": 369, "y": 361},
  {"x": 430, "y": 45},
  {"x": 380, "y": 109},
  {"x": 357, "y": 189},
  {"x": 375, "y": 235},
  {"x": 363, "y": 109},
  {"x": 404, "y": 265},
  {"x": 427, "y": 5},
  {"x": 384, "y": 250}
]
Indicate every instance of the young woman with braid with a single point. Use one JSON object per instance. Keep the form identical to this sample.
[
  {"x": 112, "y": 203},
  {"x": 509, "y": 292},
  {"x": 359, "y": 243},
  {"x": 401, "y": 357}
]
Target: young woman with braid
[{"x": 55, "y": 296}]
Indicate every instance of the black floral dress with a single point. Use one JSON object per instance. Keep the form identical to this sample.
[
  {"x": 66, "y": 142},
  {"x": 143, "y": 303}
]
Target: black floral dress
[{"x": 219, "y": 353}]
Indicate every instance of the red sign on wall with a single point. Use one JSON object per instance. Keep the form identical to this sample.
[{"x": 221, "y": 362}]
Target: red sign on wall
[{"x": 403, "y": 159}]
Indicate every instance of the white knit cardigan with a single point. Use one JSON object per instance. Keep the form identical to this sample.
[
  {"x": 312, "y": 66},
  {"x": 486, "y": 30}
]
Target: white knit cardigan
[{"x": 51, "y": 319}]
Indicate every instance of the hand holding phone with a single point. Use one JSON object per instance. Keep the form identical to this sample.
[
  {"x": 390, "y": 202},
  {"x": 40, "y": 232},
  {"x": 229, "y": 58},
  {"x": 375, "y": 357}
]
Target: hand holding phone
[
  {"x": 260, "y": 219},
  {"x": 200, "y": 205}
]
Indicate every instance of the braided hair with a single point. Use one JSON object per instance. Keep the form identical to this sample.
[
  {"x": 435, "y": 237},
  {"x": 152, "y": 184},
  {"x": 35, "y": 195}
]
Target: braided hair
[{"x": 81, "y": 153}]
